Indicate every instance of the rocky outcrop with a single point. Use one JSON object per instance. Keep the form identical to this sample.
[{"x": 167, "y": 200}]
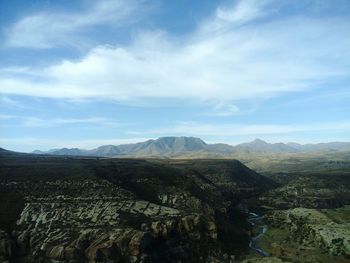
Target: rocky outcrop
[
  {"x": 310, "y": 227},
  {"x": 87, "y": 210},
  {"x": 117, "y": 229}
]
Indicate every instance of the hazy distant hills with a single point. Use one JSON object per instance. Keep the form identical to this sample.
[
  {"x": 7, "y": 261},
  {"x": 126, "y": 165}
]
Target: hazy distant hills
[
  {"x": 191, "y": 146},
  {"x": 336, "y": 146},
  {"x": 260, "y": 146},
  {"x": 4, "y": 151}
]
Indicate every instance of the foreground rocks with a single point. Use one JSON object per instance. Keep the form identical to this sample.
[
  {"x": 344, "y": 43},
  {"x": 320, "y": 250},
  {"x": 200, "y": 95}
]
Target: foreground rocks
[
  {"x": 113, "y": 226},
  {"x": 91, "y": 210}
]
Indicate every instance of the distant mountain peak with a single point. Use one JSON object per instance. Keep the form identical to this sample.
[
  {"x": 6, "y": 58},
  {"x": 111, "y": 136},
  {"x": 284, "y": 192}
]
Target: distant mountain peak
[
  {"x": 180, "y": 138},
  {"x": 257, "y": 140},
  {"x": 260, "y": 146},
  {"x": 38, "y": 152}
]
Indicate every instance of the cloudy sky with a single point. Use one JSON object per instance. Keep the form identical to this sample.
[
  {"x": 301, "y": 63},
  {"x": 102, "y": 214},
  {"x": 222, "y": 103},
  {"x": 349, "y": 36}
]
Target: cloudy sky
[{"x": 87, "y": 73}]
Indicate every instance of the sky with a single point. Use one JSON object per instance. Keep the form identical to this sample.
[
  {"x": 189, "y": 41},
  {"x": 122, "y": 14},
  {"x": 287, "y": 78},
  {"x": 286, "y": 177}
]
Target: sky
[{"x": 90, "y": 73}]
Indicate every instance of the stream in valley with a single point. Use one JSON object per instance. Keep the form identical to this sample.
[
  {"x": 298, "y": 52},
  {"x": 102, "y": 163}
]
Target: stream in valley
[{"x": 259, "y": 228}]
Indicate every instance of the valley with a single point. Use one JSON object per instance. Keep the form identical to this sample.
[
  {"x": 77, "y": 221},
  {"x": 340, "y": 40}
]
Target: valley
[
  {"x": 56, "y": 208},
  {"x": 308, "y": 215}
]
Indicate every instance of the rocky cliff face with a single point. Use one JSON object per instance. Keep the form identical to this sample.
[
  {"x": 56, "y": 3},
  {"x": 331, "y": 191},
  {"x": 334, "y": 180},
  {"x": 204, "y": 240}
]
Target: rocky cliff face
[
  {"x": 109, "y": 225},
  {"x": 90, "y": 210}
]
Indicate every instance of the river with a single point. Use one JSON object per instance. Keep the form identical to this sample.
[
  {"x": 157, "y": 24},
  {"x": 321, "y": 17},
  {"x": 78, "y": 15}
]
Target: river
[
  {"x": 260, "y": 228},
  {"x": 257, "y": 222}
]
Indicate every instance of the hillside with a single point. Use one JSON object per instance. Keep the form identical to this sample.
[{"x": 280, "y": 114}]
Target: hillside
[{"x": 123, "y": 210}]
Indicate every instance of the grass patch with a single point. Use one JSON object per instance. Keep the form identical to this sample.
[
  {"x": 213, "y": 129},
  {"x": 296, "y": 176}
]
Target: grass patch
[{"x": 272, "y": 235}]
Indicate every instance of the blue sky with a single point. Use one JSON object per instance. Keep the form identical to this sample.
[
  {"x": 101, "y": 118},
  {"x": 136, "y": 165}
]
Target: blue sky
[{"x": 88, "y": 73}]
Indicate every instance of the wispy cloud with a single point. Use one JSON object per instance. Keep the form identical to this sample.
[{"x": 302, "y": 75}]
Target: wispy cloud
[
  {"x": 9, "y": 102},
  {"x": 31, "y": 121},
  {"x": 215, "y": 63},
  {"x": 243, "y": 11},
  {"x": 50, "y": 29},
  {"x": 231, "y": 130},
  {"x": 223, "y": 109}
]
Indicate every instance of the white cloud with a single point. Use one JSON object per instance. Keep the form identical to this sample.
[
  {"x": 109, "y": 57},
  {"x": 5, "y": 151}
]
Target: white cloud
[
  {"x": 243, "y": 11},
  {"x": 225, "y": 109},
  {"x": 6, "y": 101},
  {"x": 31, "y": 121},
  {"x": 231, "y": 130},
  {"x": 216, "y": 63},
  {"x": 52, "y": 28}
]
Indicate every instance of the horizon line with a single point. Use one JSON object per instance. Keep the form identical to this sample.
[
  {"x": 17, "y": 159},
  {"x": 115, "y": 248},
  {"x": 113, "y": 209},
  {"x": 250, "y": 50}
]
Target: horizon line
[{"x": 162, "y": 137}]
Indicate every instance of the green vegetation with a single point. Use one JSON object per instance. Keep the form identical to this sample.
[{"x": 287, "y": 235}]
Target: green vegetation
[
  {"x": 273, "y": 235},
  {"x": 338, "y": 215}
]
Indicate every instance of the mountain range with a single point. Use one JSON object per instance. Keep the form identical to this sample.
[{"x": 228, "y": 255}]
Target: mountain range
[{"x": 191, "y": 146}]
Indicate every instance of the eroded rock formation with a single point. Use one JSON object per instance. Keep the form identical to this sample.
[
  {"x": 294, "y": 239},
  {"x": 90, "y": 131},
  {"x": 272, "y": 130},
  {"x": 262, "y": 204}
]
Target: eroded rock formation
[{"x": 87, "y": 210}]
